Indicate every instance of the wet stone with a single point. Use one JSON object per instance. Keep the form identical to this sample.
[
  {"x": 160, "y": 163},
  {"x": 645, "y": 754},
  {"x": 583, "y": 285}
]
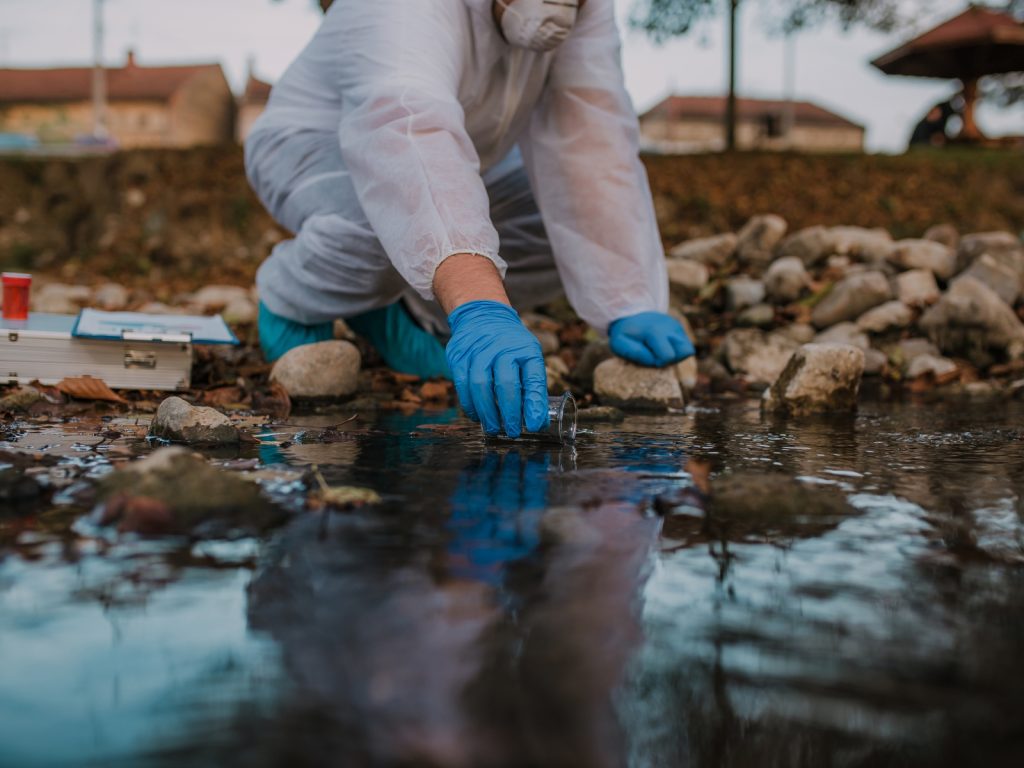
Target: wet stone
[
  {"x": 324, "y": 369},
  {"x": 172, "y": 491},
  {"x": 180, "y": 422},
  {"x": 632, "y": 387},
  {"x": 17, "y": 488},
  {"x": 757, "y": 356},
  {"x": 820, "y": 378}
]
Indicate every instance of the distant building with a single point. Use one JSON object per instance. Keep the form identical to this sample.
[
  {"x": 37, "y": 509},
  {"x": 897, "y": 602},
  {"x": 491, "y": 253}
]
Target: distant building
[
  {"x": 697, "y": 124},
  {"x": 176, "y": 106},
  {"x": 251, "y": 105}
]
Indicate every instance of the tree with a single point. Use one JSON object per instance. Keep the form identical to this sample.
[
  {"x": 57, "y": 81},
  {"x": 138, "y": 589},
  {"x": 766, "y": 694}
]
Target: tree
[
  {"x": 665, "y": 19},
  {"x": 1007, "y": 90}
]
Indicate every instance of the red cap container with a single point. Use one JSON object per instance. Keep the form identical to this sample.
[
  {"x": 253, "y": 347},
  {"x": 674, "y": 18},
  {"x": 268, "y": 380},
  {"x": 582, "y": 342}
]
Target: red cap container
[{"x": 16, "y": 288}]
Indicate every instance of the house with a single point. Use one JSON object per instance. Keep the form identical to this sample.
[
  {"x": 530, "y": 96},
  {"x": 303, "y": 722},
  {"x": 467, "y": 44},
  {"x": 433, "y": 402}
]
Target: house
[
  {"x": 177, "y": 106},
  {"x": 697, "y": 124},
  {"x": 251, "y": 105}
]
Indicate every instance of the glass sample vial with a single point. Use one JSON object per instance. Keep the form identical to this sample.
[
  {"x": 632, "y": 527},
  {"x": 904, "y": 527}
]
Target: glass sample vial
[{"x": 562, "y": 419}]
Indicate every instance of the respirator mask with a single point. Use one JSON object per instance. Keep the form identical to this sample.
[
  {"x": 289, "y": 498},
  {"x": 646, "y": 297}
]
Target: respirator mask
[{"x": 540, "y": 25}]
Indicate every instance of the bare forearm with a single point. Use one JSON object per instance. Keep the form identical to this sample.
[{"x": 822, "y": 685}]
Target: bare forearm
[{"x": 466, "y": 277}]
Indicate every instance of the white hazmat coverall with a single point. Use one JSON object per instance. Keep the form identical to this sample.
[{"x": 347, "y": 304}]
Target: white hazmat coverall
[{"x": 391, "y": 143}]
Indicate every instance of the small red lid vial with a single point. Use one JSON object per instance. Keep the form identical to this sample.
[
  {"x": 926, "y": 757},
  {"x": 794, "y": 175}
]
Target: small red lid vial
[{"x": 16, "y": 291}]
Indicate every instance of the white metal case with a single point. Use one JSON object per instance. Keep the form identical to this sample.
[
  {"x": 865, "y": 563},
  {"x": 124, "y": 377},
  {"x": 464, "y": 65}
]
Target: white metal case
[{"x": 43, "y": 349}]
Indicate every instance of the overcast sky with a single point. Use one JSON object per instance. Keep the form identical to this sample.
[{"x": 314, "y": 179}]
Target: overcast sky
[{"x": 831, "y": 66}]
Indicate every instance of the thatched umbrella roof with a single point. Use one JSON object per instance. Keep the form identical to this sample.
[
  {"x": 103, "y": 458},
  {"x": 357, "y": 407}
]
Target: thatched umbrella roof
[{"x": 978, "y": 42}]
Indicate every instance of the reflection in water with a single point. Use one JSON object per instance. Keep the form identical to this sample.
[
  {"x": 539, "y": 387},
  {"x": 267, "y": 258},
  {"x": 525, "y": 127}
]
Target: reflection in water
[{"x": 508, "y": 604}]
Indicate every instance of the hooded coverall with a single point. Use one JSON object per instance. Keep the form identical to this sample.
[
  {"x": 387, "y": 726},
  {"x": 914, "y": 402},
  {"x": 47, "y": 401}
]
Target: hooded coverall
[{"x": 409, "y": 130}]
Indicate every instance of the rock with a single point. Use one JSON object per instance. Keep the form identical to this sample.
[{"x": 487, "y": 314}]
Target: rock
[
  {"x": 811, "y": 245},
  {"x": 687, "y": 276},
  {"x": 342, "y": 331},
  {"x": 801, "y": 333},
  {"x": 173, "y": 491},
  {"x": 241, "y": 311},
  {"x": 324, "y": 369},
  {"x": 19, "y": 400},
  {"x": 885, "y": 317},
  {"x": 786, "y": 279},
  {"x": 687, "y": 373},
  {"x": 851, "y": 297},
  {"x": 159, "y": 308},
  {"x": 845, "y": 333},
  {"x": 870, "y": 245},
  {"x": 17, "y": 488},
  {"x": 917, "y": 288},
  {"x": 757, "y": 356},
  {"x": 549, "y": 344},
  {"x": 624, "y": 385},
  {"x": 111, "y": 297},
  {"x": 180, "y": 422},
  {"x": 742, "y": 292},
  {"x": 925, "y": 254},
  {"x": 970, "y": 320},
  {"x": 595, "y": 353},
  {"x": 930, "y": 364},
  {"x": 558, "y": 374},
  {"x": 711, "y": 251},
  {"x": 993, "y": 243},
  {"x": 757, "y": 316},
  {"x": 758, "y": 238},
  {"x": 998, "y": 277},
  {"x": 60, "y": 299},
  {"x": 819, "y": 378},
  {"x": 214, "y": 298},
  {"x": 945, "y": 234},
  {"x": 599, "y": 414},
  {"x": 875, "y": 362},
  {"x": 905, "y": 351},
  {"x": 713, "y": 371}
]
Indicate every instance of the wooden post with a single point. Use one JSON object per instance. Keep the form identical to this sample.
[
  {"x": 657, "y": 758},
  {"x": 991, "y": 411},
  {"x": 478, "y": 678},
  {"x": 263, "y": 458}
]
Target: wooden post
[
  {"x": 730, "y": 108},
  {"x": 970, "y": 130}
]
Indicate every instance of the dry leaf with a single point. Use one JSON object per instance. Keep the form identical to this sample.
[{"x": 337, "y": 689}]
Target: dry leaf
[
  {"x": 342, "y": 496},
  {"x": 88, "y": 388}
]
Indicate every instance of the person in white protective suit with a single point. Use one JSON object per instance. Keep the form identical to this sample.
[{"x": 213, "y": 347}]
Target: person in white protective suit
[{"x": 445, "y": 162}]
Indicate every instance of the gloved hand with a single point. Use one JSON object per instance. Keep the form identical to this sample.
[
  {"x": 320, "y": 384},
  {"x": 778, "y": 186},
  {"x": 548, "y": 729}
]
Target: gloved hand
[
  {"x": 498, "y": 368},
  {"x": 650, "y": 338}
]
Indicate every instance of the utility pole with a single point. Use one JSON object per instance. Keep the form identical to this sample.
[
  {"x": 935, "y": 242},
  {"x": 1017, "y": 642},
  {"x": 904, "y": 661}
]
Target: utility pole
[
  {"x": 730, "y": 108},
  {"x": 99, "y": 75}
]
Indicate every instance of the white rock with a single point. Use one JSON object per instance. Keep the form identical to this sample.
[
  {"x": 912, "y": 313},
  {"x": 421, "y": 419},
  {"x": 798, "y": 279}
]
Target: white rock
[
  {"x": 758, "y": 238},
  {"x": 60, "y": 299},
  {"x": 241, "y": 311},
  {"x": 811, "y": 245},
  {"x": 742, "y": 292},
  {"x": 997, "y": 276},
  {"x": 993, "y": 243},
  {"x": 758, "y": 316},
  {"x": 874, "y": 362},
  {"x": 786, "y": 279},
  {"x": 801, "y": 333},
  {"x": 549, "y": 344},
  {"x": 851, "y": 297},
  {"x": 845, "y": 333},
  {"x": 917, "y": 288},
  {"x": 687, "y": 275},
  {"x": 905, "y": 351},
  {"x": 757, "y": 356},
  {"x": 925, "y": 254},
  {"x": 819, "y": 378},
  {"x": 622, "y": 384},
  {"x": 930, "y": 364},
  {"x": 943, "y": 233},
  {"x": 111, "y": 297},
  {"x": 892, "y": 314},
  {"x": 178, "y": 421},
  {"x": 687, "y": 372},
  {"x": 971, "y": 318},
  {"x": 870, "y": 245},
  {"x": 558, "y": 374},
  {"x": 214, "y": 298},
  {"x": 712, "y": 251},
  {"x": 324, "y": 369}
]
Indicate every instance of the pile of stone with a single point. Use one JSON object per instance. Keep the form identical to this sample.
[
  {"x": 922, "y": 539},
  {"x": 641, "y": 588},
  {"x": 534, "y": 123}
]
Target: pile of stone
[{"x": 944, "y": 306}]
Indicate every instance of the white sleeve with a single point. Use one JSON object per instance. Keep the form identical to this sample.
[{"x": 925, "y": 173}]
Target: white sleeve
[
  {"x": 581, "y": 152},
  {"x": 403, "y": 137}
]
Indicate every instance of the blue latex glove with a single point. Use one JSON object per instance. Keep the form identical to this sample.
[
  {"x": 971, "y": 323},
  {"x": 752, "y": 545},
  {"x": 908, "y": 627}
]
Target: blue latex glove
[
  {"x": 498, "y": 368},
  {"x": 650, "y": 338}
]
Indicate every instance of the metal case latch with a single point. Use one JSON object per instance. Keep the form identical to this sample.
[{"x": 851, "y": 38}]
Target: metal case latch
[{"x": 133, "y": 359}]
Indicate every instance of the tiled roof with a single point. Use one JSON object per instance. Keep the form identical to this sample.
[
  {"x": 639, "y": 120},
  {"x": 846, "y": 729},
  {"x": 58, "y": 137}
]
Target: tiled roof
[
  {"x": 713, "y": 108},
  {"x": 129, "y": 83}
]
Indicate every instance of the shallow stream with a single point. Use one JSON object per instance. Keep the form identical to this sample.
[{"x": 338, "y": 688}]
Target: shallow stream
[{"x": 523, "y": 604}]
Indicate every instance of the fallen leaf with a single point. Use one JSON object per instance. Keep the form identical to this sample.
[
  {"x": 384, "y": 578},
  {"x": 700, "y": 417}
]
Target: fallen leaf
[
  {"x": 436, "y": 390},
  {"x": 88, "y": 388}
]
